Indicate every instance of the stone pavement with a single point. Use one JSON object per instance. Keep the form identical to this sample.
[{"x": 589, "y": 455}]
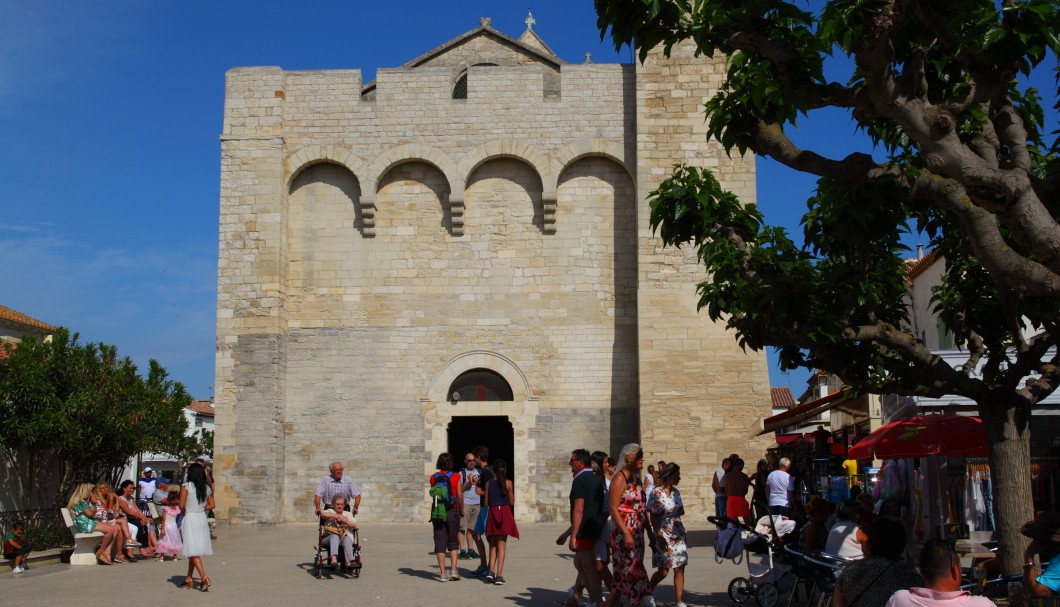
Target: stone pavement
[{"x": 268, "y": 566}]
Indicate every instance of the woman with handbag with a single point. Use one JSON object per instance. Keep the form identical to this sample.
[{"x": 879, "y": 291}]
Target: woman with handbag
[{"x": 338, "y": 521}]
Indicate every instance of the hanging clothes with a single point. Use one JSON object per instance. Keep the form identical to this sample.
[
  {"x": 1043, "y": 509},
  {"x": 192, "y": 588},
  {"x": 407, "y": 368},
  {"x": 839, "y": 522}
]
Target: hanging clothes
[{"x": 974, "y": 506}]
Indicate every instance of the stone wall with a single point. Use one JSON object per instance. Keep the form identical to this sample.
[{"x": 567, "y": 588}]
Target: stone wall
[
  {"x": 700, "y": 393},
  {"x": 371, "y": 250}
]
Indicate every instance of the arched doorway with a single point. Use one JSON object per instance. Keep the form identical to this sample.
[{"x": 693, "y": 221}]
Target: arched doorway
[
  {"x": 466, "y": 432},
  {"x": 482, "y": 398},
  {"x": 493, "y": 431}
]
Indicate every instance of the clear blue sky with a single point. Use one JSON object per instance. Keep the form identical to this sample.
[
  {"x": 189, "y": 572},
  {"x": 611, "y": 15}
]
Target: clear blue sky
[{"x": 111, "y": 112}]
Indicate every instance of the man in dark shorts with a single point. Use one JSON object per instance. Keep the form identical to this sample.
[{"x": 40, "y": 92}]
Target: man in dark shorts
[{"x": 586, "y": 520}]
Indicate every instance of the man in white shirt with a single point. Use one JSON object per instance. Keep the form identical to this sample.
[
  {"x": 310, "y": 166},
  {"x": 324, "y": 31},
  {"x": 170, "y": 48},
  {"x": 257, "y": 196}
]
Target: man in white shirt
[
  {"x": 781, "y": 489},
  {"x": 146, "y": 486},
  {"x": 468, "y": 480}
]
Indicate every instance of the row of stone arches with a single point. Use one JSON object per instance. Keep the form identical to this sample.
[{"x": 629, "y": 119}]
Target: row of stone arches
[{"x": 548, "y": 168}]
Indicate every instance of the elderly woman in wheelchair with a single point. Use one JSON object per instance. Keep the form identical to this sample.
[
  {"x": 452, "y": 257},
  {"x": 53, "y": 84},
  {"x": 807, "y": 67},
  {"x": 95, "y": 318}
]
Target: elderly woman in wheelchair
[{"x": 338, "y": 523}]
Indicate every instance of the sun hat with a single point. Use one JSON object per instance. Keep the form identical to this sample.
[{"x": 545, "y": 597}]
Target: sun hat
[
  {"x": 1045, "y": 527},
  {"x": 669, "y": 470}
]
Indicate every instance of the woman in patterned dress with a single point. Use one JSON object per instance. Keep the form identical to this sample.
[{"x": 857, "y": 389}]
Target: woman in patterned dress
[
  {"x": 627, "y": 535},
  {"x": 82, "y": 507},
  {"x": 666, "y": 509}
]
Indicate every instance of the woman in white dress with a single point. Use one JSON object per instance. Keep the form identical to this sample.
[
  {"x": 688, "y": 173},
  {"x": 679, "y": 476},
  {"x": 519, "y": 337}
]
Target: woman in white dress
[{"x": 195, "y": 500}]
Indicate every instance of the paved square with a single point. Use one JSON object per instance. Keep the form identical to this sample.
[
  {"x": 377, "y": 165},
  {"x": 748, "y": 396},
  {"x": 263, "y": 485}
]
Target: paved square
[{"x": 269, "y": 566}]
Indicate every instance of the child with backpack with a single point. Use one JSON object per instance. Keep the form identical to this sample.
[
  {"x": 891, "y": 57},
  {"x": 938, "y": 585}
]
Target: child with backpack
[{"x": 446, "y": 510}]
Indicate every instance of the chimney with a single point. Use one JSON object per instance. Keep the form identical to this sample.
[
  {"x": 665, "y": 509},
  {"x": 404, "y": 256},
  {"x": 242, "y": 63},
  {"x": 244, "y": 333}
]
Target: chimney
[{"x": 919, "y": 251}]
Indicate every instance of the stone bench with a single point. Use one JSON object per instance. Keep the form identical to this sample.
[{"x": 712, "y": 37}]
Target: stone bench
[{"x": 84, "y": 543}]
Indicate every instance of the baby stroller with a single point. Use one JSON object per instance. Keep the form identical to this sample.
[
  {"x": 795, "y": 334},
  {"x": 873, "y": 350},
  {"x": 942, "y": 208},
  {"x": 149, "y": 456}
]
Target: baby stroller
[
  {"x": 323, "y": 554},
  {"x": 770, "y": 573}
]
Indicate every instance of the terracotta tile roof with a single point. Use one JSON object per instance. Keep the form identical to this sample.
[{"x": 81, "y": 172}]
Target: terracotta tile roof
[
  {"x": 201, "y": 407},
  {"x": 918, "y": 266},
  {"x": 782, "y": 398},
  {"x": 19, "y": 318}
]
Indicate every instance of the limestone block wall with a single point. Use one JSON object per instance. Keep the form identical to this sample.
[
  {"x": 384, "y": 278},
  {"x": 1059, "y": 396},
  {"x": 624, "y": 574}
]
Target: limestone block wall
[
  {"x": 699, "y": 392},
  {"x": 371, "y": 249}
]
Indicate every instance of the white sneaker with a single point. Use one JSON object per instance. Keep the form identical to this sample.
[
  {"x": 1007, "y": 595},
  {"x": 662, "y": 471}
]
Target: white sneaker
[
  {"x": 680, "y": 605},
  {"x": 443, "y": 577},
  {"x": 454, "y": 577},
  {"x": 18, "y": 569}
]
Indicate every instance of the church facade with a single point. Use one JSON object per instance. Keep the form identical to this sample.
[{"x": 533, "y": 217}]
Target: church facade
[{"x": 457, "y": 254}]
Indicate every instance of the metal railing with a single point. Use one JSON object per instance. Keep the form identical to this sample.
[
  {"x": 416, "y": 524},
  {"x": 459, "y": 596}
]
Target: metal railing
[{"x": 45, "y": 528}]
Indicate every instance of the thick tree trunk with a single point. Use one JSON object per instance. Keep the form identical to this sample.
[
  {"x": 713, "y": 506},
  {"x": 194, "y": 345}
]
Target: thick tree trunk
[{"x": 1008, "y": 437}]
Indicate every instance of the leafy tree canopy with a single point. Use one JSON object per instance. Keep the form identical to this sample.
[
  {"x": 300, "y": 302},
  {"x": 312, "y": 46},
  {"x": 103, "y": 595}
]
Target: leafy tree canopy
[
  {"x": 938, "y": 88},
  {"x": 84, "y": 408}
]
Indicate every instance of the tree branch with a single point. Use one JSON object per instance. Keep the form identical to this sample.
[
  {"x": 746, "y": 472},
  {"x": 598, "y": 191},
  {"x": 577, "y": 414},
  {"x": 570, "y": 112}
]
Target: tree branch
[
  {"x": 1037, "y": 388},
  {"x": 1030, "y": 358},
  {"x": 976, "y": 346},
  {"x": 773, "y": 141},
  {"x": 915, "y": 352},
  {"x": 1006, "y": 267},
  {"x": 790, "y": 71},
  {"x": 1012, "y": 132}
]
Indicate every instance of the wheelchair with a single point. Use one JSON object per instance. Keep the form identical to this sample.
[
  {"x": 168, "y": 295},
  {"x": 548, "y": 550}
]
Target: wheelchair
[{"x": 323, "y": 554}]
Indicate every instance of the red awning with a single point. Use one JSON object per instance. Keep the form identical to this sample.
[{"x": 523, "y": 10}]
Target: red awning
[{"x": 783, "y": 439}]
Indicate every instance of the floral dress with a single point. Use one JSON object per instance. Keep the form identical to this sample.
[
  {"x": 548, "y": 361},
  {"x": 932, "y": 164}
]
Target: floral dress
[
  {"x": 672, "y": 548},
  {"x": 631, "y": 578},
  {"x": 85, "y": 523}
]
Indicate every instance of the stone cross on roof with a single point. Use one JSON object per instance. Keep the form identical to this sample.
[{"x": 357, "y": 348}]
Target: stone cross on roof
[{"x": 529, "y": 21}]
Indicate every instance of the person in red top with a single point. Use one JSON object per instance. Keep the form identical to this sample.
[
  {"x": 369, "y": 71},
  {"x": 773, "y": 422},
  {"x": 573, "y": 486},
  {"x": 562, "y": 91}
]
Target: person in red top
[{"x": 447, "y": 532}]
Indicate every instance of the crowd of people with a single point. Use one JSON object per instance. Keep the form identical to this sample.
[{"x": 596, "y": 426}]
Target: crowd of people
[
  {"x": 614, "y": 507},
  {"x": 877, "y": 572},
  {"x": 617, "y": 509},
  {"x": 478, "y": 502},
  {"x": 130, "y": 532}
]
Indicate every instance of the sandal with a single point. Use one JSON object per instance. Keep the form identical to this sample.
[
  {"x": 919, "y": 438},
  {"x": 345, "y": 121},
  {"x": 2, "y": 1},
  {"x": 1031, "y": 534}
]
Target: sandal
[
  {"x": 103, "y": 558},
  {"x": 120, "y": 559}
]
